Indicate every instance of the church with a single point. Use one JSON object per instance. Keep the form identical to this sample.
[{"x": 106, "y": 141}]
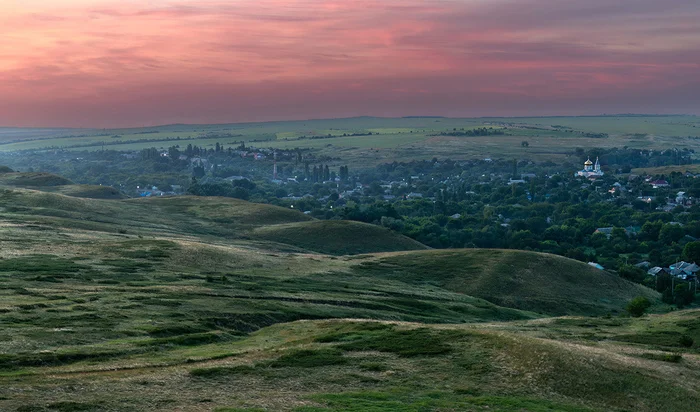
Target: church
[{"x": 589, "y": 170}]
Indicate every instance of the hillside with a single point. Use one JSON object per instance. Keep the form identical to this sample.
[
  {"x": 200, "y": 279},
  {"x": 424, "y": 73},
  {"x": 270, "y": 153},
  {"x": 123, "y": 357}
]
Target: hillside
[
  {"x": 337, "y": 237},
  {"x": 38, "y": 179},
  {"x": 88, "y": 191},
  {"x": 47, "y": 182},
  {"x": 346, "y": 365},
  {"x": 169, "y": 303},
  {"x": 537, "y": 282}
]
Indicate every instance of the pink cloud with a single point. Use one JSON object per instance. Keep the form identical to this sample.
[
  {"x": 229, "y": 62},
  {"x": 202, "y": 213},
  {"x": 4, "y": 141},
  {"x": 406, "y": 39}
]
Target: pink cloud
[{"x": 112, "y": 63}]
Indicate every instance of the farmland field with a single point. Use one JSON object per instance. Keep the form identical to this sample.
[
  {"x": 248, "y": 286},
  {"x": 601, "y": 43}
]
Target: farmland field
[{"x": 391, "y": 138}]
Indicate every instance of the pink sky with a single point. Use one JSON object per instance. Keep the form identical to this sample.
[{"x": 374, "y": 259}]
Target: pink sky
[{"x": 108, "y": 63}]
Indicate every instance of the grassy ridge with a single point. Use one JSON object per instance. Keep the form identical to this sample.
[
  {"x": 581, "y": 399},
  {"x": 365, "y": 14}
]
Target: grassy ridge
[
  {"x": 34, "y": 179},
  {"x": 337, "y": 237},
  {"x": 537, "y": 282}
]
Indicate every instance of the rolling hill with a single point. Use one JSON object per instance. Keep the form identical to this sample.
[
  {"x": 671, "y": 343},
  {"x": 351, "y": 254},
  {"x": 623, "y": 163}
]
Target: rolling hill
[
  {"x": 38, "y": 179},
  {"x": 337, "y": 237},
  {"x": 193, "y": 303},
  {"x": 537, "y": 282},
  {"x": 48, "y": 182}
]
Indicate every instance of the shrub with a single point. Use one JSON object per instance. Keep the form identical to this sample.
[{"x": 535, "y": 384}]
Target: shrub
[
  {"x": 637, "y": 306},
  {"x": 663, "y": 357},
  {"x": 686, "y": 341},
  {"x": 310, "y": 359}
]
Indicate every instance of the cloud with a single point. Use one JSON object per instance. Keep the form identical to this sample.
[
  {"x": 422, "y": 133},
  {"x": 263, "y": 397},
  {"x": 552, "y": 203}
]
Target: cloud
[{"x": 307, "y": 58}]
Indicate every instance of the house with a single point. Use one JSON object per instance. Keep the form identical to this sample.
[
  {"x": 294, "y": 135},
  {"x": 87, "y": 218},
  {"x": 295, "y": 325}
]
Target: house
[
  {"x": 607, "y": 231},
  {"x": 643, "y": 265},
  {"x": 414, "y": 195},
  {"x": 681, "y": 198},
  {"x": 596, "y": 265},
  {"x": 656, "y": 271},
  {"x": 235, "y": 178},
  {"x": 456, "y": 216},
  {"x": 516, "y": 182},
  {"x": 684, "y": 269},
  {"x": 659, "y": 183}
]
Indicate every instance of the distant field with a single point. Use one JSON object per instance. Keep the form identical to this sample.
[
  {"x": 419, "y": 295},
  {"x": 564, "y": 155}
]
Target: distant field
[
  {"x": 549, "y": 138},
  {"x": 665, "y": 170}
]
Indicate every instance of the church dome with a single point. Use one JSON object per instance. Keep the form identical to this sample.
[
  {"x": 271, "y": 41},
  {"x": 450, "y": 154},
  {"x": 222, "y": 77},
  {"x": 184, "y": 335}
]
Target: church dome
[{"x": 588, "y": 162}]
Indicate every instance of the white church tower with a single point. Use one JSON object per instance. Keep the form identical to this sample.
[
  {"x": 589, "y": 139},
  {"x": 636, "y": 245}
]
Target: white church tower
[{"x": 590, "y": 170}]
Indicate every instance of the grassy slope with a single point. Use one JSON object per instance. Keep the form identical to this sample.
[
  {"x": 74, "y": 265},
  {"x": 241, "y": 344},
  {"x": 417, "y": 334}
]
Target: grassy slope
[
  {"x": 47, "y": 182},
  {"x": 341, "y": 365},
  {"x": 149, "y": 304},
  {"x": 530, "y": 281},
  {"x": 34, "y": 179},
  {"x": 337, "y": 237}
]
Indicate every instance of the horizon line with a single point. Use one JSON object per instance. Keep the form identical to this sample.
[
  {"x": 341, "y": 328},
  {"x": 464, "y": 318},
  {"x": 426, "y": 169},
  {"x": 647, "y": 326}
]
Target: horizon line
[{"x": 350, "y": 118}]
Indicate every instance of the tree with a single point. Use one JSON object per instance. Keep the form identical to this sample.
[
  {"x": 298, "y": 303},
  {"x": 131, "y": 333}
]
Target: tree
[
  {"x": 670, "y": 234},
  {"x": 684, "y": 295},
  {"x": 632, "y": 273},
  {"x": 525, "y": 143},
  {"x": 638, "y": 306},
  {"x": 691, "y": 252}
]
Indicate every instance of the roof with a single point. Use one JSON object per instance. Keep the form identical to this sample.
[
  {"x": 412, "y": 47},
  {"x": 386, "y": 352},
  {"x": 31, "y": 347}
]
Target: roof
[
  {"x": 655, "y": 270},
  {"x": 588, "y": 162},
  {"x": 596, "y": 265},
  {"x": 685, "y": 267}
]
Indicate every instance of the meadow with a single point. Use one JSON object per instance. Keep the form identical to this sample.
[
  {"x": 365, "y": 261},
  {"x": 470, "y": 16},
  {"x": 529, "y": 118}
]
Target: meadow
[{"x": 207, "y": 304}]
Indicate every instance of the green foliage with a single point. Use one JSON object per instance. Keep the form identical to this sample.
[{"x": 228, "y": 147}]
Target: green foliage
[
  {"x": 42, "y": 265},
  {"x": 686, "y": 341},
  {"x": 310, "y": 358},
  {"x": 373, "y": 366},
  {"x": 405, "y": 343},
  {"x": 69, "y": 406},
  {"x": 638, "y": 306},
  {"x": 429, "y": 401},
  {"x": 223, "y": 371},
  {"x": 691, "y": 252},
  {"x": 632, "y": 273},
  {"x": 663, "y": 357},
  {"x": 684, "y": 294}
]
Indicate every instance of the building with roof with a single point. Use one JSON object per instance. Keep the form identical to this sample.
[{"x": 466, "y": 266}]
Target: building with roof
[{"x": 590, "y": 170}]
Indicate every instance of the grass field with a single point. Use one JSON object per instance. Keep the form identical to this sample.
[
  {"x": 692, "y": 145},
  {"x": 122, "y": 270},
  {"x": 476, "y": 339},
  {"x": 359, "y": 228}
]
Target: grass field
[
  {"x": 391, "y": 139},
  {"x": 208, "y": 304}
]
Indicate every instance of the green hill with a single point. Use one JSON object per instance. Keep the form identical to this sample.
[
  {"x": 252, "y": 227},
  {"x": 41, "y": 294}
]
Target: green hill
[
  {"x": 337, "y": 237},
  {"x": 87, "y": 191},
  {"x": 537, "y": 282},
  {"x": 32, "y": 179},
  {"x": 48, "y": 182}
]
